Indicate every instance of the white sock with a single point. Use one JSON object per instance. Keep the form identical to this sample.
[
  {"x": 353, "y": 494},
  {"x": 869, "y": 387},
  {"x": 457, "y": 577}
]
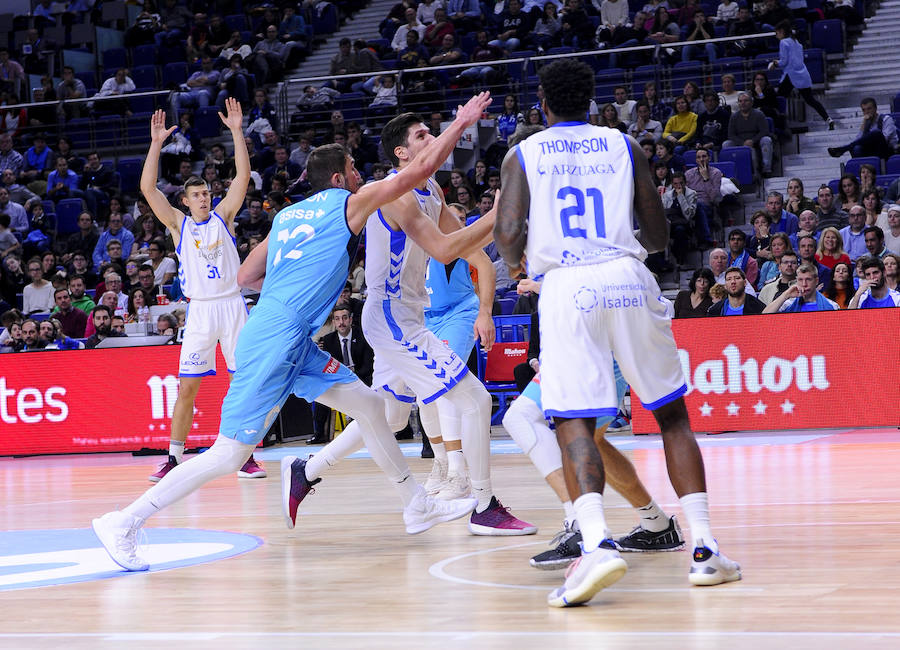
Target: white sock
[
  {"x": 589, "y": 512},
  {"x": 407, "y": 488},
  {"x": 696, "y": 510},
  {"x": 348, "y": 442},
  {"x": 483, "y": 492},
  {"x": 653, "y": 519},
  {"x": 456, "y": 462},
  {"x": 440, "y": 452},
  {"x": 176, "y": 449},
  {"x": 570, "y": 513}
]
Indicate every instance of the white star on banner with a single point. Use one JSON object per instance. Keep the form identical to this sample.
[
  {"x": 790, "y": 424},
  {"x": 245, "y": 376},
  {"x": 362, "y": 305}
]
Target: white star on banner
[
  {"x": 732, "y": 409},
  {"x": 760, "y": 408},
  {"x": 706, "y": 410},
  {"x": 787, "y": 406}
]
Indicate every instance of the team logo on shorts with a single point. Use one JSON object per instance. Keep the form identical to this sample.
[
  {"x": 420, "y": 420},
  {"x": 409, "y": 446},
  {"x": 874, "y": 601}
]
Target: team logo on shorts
[
  {"x": 586, "y": 299},
  {"x": 331, "y": 367}
]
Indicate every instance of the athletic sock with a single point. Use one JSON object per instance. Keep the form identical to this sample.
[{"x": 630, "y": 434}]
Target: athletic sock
[
  {"x": 653, "y": 518},
  {"x": 456, "y": 463},
  {"x": 483, "y": 492},
  {"x": 589, "y": 512},
  {"x": 440, "y": 452},
  {"x": 407, "y": 488},
  {"x": 696, "y": 510},
  {"x": 570, "y": 514},
  {"x": 176, "y": 449}
]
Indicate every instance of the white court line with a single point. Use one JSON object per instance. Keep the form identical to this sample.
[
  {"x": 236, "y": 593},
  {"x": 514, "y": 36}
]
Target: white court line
[
  {"x": 181, "y": 637},
  {"x": 437, "y": 570}
]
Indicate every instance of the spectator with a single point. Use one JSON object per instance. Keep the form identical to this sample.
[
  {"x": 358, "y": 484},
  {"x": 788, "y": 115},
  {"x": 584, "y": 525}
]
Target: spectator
[
  {"x": 233, "y": 82},
  {"x": 738, "y": 302},
  {"x": 412, "y": 24},
  {"x": 116, "y": 86},
  {"x": 17, "y": 192},
  {"x": 9, "y": 243},
  {"x": 385, "y": 92},
  {"x": 644, "y": 126},
  {"x": 761, "y": 237},
  {"x": 300, "y": 155},
  {"x": 700, "y": 29},
  {"x": 739, "y": 256},
  {"x": 681, "y": 127},
  {"x": 72, "y": 320},
  {"x": 874, "y": 238},
  {"x": 37, "y": 296},
  {"x": 292, "y": 32},
  {"x": 871, "y": 203},
  {"x": 852, "y": 235},
  {"x": 790, "y": 59},
  {"x": 796, "y": 202},
  {"x": 831, "y": 248},
  {"x": 12, "y": 121},
  {"x": 139, "y": 301},
  {"x": 115, "y": 231},
  {"x": 414, "y": 53},
  {"x": 513, "y": 27},
  {"x": 101, "y": 318},
  {"x": 729, "y": 95},
  {"x": 18, "y": 218},
  {"x": 38, "y": 162},
  {"x": 342, "y": 62},
  {"x": 199, "y": 90},
  {"x": 483, "y": 51},
  {"x": 78, "y": 298},
  {"x": 31, "y": 337},
  {"x": 782, "y": 220},
  {"x": 665, "y": 154},
  {"x": 779, "y": 245},
  {"x": 71, "y": 88},
  {"x": 613, "y": 17},
  {"x": 447, "y": 53},
  {"x": 12, "y": 278},
  {"x": 712, "y": 123},
  {"x": 146, "y": 230},
  {"x": 9, "y": 157},
  {"x": 81, "y": 266},
  {"x": 35, "y": 51},
  {"x": 787, "y": 276},
  {"x": 576, "y": 28},
  {"x": 625, "y": 107},
  {"x": 706, "y": 181},
  {"x": 803, "y": 295},
  {"x": 64, "y": 150},
  {"x": 680, "y": 204},
  {"x": 282, "y": 165},
  {"x": 806, "y": 252},
  {"x": 609, "y": 117},
  {"x": 841, "y": 290},
  {"x": 892, "y": 270},
  {"x": 829, "y": 214},
  {"x": 143, "y": 31},
  {"x": 427, "y": 11},
  {"x": 892, "y": 231},
  {"x": 548, "y": 25},
  {"x": 659, "y": 110},
  {"x": 726, "y": 12},
  {"x": 877, "y": 134},
  {"x": 175, "y": 20},
  {"x": 766, "y": 100},
  {"x": 665, "y": 31},
  {"x": 118, "y": 324},
  {"x": 873, "y": 291},
  {"x": 317, "y": 98},
  {"x": 848, "y": 192},
  {"x": 748, "y": 127},
  {"x": 464, "y": 14},
  {"x": 695, "y": 301},
  {"x": 365, "y": 60},
  {"x": 62, "y": 183},
  {"x": 97, "y": 183},
  {"x": 662, "y": 176},
  {"x": 54, "y": 338}
]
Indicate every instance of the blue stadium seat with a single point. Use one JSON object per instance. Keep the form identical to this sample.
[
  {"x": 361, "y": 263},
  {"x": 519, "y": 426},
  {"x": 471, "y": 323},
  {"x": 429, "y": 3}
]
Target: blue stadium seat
[
  {"x": 144, "y": 76},
  {"x": 137, "y": 129},
  {"x": 108, "y": 132},
  {"x": 835, "y": 185},
  {"x": 743, "y": 163},
  {"x": 892, "y": 166},
  {"x": 327, "y": 22},
  {"x": 79, "y": 131},
  {"x": 644, "y": 73},
  {"x": 143, "y": 55},
  {"x": 690, "y": 157},
  {"x": 516, "y": 329},
  {"x": 67, "y": 211},
  {"x": 236, "y": 22},
  {"x": 49, "y": 206},
  {"x": 828, "y": 35},
  {"x": 611, "y": 75},
  {"x": 895, "y": 103},
  {"x": 89, "y": 79},
  {"x": 814, "y": 58},
  {"x": 130, "y": 173},
  {"x": 884, "y": 180},
  {"x": 174, "y": 73},
  {"x": 852, "y": 166},
  {"x": 207, "y": 122},
  {"x": 506, "y": 305},
  {"x": 115, "y": 57},
  {"x": 145, "y": 104},
  {"x": 727, "y": 167}
]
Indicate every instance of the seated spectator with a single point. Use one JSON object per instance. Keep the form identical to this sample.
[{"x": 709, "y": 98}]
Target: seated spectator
[
  {"x": 665, "y": 153},
  {"x": 761, "y": 238},
  {"x": 199, "y": 90},
  {"x": 427, "y": 11},
  {"x": 116, "y": 86},
  {"x": 892, "y": 270},
  {"x": 737, "y": 302},
  {"x": 80, "y": 265},
  {"x": 365, "y": 60},
  {"x": 712, "y": 123},
  {"x": 892, "y": 229},
  {"x": 659, "y": 110},
  {"x": 146, "y": 231},
  {"x": 748, "y": 127},
  {"x": 700, "y": 29},
  {"x": 413, "y": 53},
  {"x": 385, "y": 92},
  {"x": 828, "y": 213},
  {"x": 548, "y": 25},
  {"x": 17, "y": 192},
  {"x": 787, "y": 276},
  {"x": 31, "y": 337},
  {"x": 681, "y": 128},
  {"x": 873, "y": 291},
  {"x": 830, "y": 250},
  {"x": 782, "y": 220},
  {"x": 139, "y": 301},
  {"x": 844, "y": 10},
  {"x": 37, "y": 296},
  {"x": 18, "y": 217},
  {"x": 871, "y": 203},
  {"x": 664, "y": 31},
  {"x": 234, "y": 81},
  {"x": 877, "y": 134},
  {"x": 680, "y": 204},
  {"x": 484, "y": 51},
  {"x": 662, "y": 176},
  {"x": 37, "y": 163},
  {"x": 706, "y": 181},
  {"x": 806, "y": 252},
  {"x": 117, "y": 231},
  {"x": 729, "y": 95},
  {"x": 695, "y": 301},
  {"x": 292, "y": 32},
  {"x": 796, "y": 202},
  {"x": 282, "y": 165},
  {"x": 97, "y": 183},
  {"x": 874, "y": 238},
  {"x": 513, "y": 27},
  {"x": 101, "y": 319},
  {"x": 447, "y": 53},
  {"x": 317, "y": 98},
  {"x": 72, "y": 320},
  {"x": 166, "y": 325},
  {"x": 10, "y": 158},
  {"x": 464, "y": 14},
  {"x": 852, "y": 235},
  {"x": 143, "y": 31},
  {"x": 163, "y": 266},
  {"x": 803, "y": 295},
  {"x": 12, "y": 74},
  {"x": 739, "y": 256},
  {"x": 609, "y": 117},
  {"x": 778, "y": 246},
  {"x": 80, "y": 300},
  {"x": 644, "y": 126},
  {"x": 68, "y": 89},
  {"x": 342, "y": 61},
  {"x": 726, "y": 12},
  {"x": 841, "y": 289},
  {"x": 400, "y": 41},
  {"x": 9, "y": 243},
  {"x": 438, "y": 29},
  {"x": 62, "y": 183},
  {"x": 765, "y": 99}
]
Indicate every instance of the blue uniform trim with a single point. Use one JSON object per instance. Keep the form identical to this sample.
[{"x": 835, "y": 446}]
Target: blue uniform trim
[
  {"x": 630, "y": 152},
  {"x": 572, "y": 123},
  {"x": 425, "y": 192},
  {"x": 396, "y": 332},
  {"x": 450, "y": 384},
  {"x": 520, "y": 157},
  {"x": 202, "y": 374},
  {"x": 583, "y": 413},
  {"x": 398, "y": 243},
  {"x": 233, "y": 239},
  {"x": 400, "y": 398},
  {"x": 180, "y": 238},
  {"x": 662, "y": 401}
]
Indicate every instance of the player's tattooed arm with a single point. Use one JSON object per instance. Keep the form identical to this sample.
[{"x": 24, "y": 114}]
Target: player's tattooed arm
[
  {"x": 648, "y": 209},
  {"x": 511, "y": 228}
]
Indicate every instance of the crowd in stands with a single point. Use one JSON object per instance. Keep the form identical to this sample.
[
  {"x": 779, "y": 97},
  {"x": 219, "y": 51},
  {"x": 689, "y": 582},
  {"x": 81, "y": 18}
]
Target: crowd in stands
[{"x": 118, "y": 262}]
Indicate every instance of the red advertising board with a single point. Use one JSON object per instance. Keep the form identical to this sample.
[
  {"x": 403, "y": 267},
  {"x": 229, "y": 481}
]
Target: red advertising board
[
  {"x": 788, "y": 371},
  {"x": 118, "y": 399}
]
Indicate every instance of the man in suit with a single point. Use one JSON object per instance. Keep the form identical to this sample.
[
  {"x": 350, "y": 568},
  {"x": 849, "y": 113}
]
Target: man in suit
[{"x": 346, "y": 344}]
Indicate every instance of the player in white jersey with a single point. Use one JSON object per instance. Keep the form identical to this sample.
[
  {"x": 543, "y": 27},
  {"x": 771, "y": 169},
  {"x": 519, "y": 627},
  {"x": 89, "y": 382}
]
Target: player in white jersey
[
  {"x": 208, "y": 267},
  {"x": 410, "y": 361},
  {"x": 570, "y": 195}
]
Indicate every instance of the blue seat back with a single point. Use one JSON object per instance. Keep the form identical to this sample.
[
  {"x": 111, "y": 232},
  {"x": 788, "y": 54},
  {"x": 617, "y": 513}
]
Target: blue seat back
[
  {"x": 828, "y": 35},
  {"x": 852, "y": 166},
  {"x": 743, "y": 163}
]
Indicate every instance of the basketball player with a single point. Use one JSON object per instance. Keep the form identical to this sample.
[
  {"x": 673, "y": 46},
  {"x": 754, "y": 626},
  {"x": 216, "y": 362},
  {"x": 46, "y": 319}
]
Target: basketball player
[
  {"x": 207, "y": 270},
  {"x": 570, "y": 195},
  {"x": 301, "y": 268},
  {"x": 410, "y": 361}
]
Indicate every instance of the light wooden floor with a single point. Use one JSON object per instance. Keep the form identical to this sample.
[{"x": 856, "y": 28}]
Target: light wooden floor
[{"x": 814, "y": 523}]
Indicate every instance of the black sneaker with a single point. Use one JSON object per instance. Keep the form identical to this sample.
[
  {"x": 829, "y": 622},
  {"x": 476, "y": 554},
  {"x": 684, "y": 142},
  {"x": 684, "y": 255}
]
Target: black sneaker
[
  {"x": 643, "y": 541},
  {"x": 568, "y": 550}
]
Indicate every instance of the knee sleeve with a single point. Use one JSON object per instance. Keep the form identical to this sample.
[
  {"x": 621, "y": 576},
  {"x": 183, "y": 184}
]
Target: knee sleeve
[
  {"x": 428, "y": 414},
  {"x": 397, "y": 413},
  {"x": 525, "y": 423}
]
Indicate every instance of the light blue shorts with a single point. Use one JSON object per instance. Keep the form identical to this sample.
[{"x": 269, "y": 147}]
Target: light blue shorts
[{"x": 456, "y": 328}]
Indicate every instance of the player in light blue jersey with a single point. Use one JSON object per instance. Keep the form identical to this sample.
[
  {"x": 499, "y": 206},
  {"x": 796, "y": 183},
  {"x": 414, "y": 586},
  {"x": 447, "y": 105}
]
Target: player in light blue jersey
[
  {"x": 300, "y": 270},
  {"x": 570, "y": 195}
]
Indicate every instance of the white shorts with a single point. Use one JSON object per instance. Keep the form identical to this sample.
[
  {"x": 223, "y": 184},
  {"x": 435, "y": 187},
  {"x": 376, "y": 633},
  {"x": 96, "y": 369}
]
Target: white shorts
[
  {"x": 209, "y": 322},
  {"x": 587, "y": 314},
  {"x": 410, "y": 360}
]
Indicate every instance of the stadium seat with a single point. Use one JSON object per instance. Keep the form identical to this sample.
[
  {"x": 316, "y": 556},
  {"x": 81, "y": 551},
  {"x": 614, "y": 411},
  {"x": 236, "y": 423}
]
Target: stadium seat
[
  {"x": 108, "y": 132},
  {"x": 115, "y": 57},
  {"x": 892, "y": 166},
  {"x": 327, "y": 22},
  {"x": 727, "y": 167},
  {"x": 815, "y": 63},
  {"x": 506, "y": 305},
  {"x": 852, "y": 166},
  {"x": 690, "y": 157},
  {"x": 89, "y": 79},
  {"x": 884, "y": 180},
  {"x": 67, "y": 211},
  {"x": 207, "y": 122},
  {"x": 144, "y": 104},
  {"x": 79, "y": 131},
  {"x": 143, "y": 55},
  {"x": 174, "y": 73},
  {"x": 515, "y": 329},
  {"x": 144, "y": 76},
  {"x": 236, "y": 22},
  {"x": 130, "y": 173},
  {"x": 137, "y": 129},
  {"x": 829, "y": 36},
  {"x": 743, "y": 163},
  {"x": 895, "y": 103}
]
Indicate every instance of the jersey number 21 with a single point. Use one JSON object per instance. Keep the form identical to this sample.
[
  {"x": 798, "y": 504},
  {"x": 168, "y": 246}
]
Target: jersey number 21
[{"x": 572, "y": 216}]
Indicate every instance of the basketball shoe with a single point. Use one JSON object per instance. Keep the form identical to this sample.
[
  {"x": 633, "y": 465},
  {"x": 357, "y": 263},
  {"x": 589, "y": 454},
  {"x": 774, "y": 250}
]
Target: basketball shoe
[
  {"x": 567, "y": 550},
  {"x": 294, "y": 487},
  {"x": 164, "y": 469},
  {"x": 708, "y": 568},
  {"x": 588, "y": 575},
  {"x": 640, "y": 540},
  {"x": 438, "y": 477},
  {"x": 425, "y": 511},
  {"x": 497, "y": 520},
  {"x": 117, "y": 532},
  {"x": 457, "y": 486},
  {"x": 252, "y": 469}
]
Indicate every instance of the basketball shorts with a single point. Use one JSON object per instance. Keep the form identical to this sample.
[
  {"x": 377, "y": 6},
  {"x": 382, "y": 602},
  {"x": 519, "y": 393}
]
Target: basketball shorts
[
  {"x": 410, "y": 361},
  {"x": 587, "y": 315},
  {"x": 209, "y": 322},
  {"x": 275, "y": 357},
  {"x": 456, "y": 328}
]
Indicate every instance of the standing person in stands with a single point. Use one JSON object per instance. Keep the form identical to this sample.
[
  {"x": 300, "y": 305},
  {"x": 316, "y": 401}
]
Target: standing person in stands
[
  {"x": 208, "y": 274},
  {"x": 796, "y": 75}
]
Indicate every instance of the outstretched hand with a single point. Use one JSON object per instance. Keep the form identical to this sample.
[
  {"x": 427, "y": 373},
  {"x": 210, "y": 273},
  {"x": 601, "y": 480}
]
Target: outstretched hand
[
  {"x": 158, "y": 131},
  {"x": 235, "y": 118},
  {"x": 474, "y": 108}
]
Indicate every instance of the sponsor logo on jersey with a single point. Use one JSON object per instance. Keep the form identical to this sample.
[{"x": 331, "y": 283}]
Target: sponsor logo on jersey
[{"x": 331, "y": 367}]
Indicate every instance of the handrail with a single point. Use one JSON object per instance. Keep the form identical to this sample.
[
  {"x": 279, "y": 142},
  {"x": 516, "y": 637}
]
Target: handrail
[{"x": 83, "y": 100}]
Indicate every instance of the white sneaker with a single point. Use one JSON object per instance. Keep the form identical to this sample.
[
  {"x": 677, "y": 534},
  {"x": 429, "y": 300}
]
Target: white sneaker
[
  {"x": 117, "y": 532},
  {"x": 708, "y": 568},
  {"x": 457, "y": 486},
  {"x": 437, "y": 479},
  {"x": 425, "y": 511},
  {"x": 588, "y": 575}
]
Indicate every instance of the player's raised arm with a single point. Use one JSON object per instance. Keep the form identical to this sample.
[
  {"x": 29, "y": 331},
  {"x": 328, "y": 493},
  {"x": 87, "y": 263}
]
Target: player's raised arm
[
  {"x": 168, "y": 215},
  {"x": 648, "y": 206},
  {"x": 373, "y": 196},
  {"x": 512, "y": 211},
  {"x": 234, "y": 199}
]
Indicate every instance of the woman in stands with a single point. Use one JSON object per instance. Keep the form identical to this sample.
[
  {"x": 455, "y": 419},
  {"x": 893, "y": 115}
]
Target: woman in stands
[
  {"x": 761, "y": 239},
  {"x": 659, "y": 110},
  {"x": 464, "y": 197},
  {"x": 848, "y": 193},
  {"x": 547, "y": 27},
  {"x": 13, "y": 278},
  {"x": 867, "y": 176},
  {"x": 139, "y": 306},
  {"x": 796, "y": 202},
  {"x": 729, "y": 94},
  {"x": 694, "y": 301},
  {"x": 457, "y": 180},
  {"x": 871, "y": 201},
  {"x": 55, "y": 339},
  {"x": 766, "y": 100},
  {"x": 145, "y": 231},
  {"x": 681, "y": 127},
  {"x": 509, "y": 118},
  {"x": 841, "y": 288},
  {"x": 694, "y": 96},
  {"x": 662, "y": 177},
  {"x": 48, "y": 265},
  {"x": 609, "y": 117},
  {"x": 164, "y": 267},
  {"x": 831, "y": 248},
  {"x": 796, "y": 75},
  {"x": 478, "y": 178},
  {"x": 779, "y": 245},
  {"x": 891, "y": 269}
]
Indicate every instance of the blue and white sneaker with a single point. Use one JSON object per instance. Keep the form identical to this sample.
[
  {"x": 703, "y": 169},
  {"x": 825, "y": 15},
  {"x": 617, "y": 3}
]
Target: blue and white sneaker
[
  {"x": 588, "y": 575},
  {"x": 708, "y": 568}
]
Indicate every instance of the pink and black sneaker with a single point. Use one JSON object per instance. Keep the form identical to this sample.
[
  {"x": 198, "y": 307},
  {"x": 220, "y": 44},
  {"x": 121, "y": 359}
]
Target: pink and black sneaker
[
  {"x": 496, "y": 520},
  {"x": 164, "y": 469},
  {"x": 294, "y": 487},
  {"x": 252, "y": 469}
]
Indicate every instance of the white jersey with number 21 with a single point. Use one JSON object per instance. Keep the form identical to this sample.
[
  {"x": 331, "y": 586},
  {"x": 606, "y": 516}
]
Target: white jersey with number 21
[{"x": 581, "y": 182}]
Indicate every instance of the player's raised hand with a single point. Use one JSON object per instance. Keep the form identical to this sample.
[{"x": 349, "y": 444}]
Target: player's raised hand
[
  {"x": 158, "y": 131},
  {"x": 474, "y": 108},
  {"x": 235, "y": 118}
]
